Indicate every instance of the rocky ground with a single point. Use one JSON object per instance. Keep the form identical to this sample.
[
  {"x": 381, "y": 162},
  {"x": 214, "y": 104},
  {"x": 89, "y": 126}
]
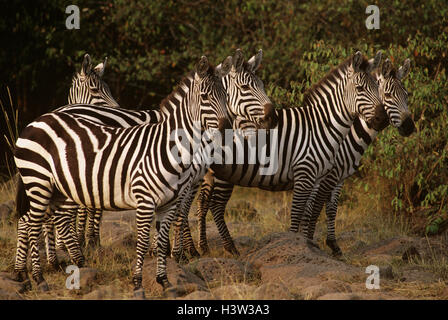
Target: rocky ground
[
  {"x": 273, "y": 264},
  {"x": 280, "y": 265}
]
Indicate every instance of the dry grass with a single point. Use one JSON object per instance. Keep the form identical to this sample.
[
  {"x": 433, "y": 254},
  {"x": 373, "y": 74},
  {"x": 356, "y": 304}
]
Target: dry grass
[{"x": 360, "y": 215}]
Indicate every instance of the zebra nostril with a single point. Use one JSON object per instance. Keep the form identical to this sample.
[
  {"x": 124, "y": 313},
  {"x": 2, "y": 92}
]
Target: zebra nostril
[{"x": 407, "y": 127}]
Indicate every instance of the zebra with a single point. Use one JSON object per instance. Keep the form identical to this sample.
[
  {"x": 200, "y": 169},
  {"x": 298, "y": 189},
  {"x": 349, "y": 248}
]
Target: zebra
[
  {"x": 215, "y": 193},
  {"x": 307, "y": 140},
  {"x": 88, "y": 86},
  {"x": 103, "y": 172},
  {"x": 264, "y": 118},
  {"x": 392, "y": 93},
  {"x": 250, "y": 98}
]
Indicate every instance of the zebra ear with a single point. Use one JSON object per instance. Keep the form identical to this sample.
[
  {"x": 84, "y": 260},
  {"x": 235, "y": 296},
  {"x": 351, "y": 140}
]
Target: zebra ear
[
  {"x": 357, "y": 61},
  {"x": 375, "y": 62},
  {"x": 86, "y": 65},
  {"x": 238, "y": 60},
  {"x": 99, "y": 69},
  {"x": 386, "y": 68},
  {"x": 255, "y": 61},
  {"x": 202, "y": 67},
  {"x": 224, "y": 68},
  {"x": 403, "y": 71}
]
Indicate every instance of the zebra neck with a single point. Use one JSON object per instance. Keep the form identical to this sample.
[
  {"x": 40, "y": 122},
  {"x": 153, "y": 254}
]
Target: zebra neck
[
  {"x": 362, "y": 134},
  {"x": 332, "y": 118}
]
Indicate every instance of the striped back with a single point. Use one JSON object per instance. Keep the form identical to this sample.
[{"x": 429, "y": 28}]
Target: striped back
[{"x": 88, "y": 86}]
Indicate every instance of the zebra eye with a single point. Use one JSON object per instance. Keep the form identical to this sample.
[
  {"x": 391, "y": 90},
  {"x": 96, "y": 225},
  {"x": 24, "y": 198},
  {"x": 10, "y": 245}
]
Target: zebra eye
[
  {"x": 387, "y": 95},
  {"x": 359, "y": 88},
  {"x": 204, "y": 96},
  {"x": 245, "y": 87}
]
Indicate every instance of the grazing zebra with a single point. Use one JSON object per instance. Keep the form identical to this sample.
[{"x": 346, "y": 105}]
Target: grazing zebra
[
  {"x": 307, "y": 140},
  {"x": 119, "y": 168},
  {"x": 359, "y": 138},
  {"x": 215, "y": 193}
]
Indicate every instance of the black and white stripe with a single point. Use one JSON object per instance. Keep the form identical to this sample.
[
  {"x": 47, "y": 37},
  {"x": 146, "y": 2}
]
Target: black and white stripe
[
  {"x": 394, "y": 97},
  {"x": 308, "y": 140},
  {"x": 67, "y": 160}
]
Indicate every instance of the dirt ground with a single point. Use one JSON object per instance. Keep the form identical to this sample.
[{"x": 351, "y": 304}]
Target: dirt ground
[{"x": 273, "y": 263}]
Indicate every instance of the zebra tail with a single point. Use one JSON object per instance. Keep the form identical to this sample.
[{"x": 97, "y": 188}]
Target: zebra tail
[{"x": 22, "y": 202}]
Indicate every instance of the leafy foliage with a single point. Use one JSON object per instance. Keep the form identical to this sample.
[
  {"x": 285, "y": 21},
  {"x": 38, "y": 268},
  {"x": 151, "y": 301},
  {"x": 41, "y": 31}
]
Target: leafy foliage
[{"x": 151, "y": 44}]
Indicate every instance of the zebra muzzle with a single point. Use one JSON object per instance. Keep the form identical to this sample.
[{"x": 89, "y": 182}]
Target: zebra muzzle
[
  {"x": 407, "y": 127},
  {"x": 270, "y": 119}
]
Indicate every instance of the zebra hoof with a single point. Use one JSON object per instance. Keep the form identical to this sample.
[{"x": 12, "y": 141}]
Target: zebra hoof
[
  {"x": 335, "y": 250},
  {"x": 233, "y": 251},
  {"x": 312, "y": 244},
  {"x": 43, "y": 286},
  {"x": 163, "y": 281},
  {"x": 194, "y": 253},
  {"x": 204, "y": 250},
  {"x": 26, "y": 286},
  {"x": 171, "y": 292},
  {"x": 139, "y": 294}
]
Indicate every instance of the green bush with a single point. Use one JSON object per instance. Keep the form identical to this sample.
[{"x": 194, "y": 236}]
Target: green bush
[{"x": 151, "y": 44}]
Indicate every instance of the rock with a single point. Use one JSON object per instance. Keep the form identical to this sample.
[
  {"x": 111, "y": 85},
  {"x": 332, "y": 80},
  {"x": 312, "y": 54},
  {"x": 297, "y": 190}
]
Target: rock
[
  {"x": 386, "y": 272},
  {"x": 126, "y": 241},
  {"x": 184, "y": 280},
  {"x": 340, "y": 296},
  {"x": 9, "y": 295},
  {"x": 223, "y": 270},
  {"x": 273, "y": 291},
  {"x": 327, "y": 287},
  {"x": 287, "y": 257},
  {"x": 87, "y": 277},
  {"x": 7, "y": 284},
  {"x": 199, "y": 295},
  {"x": 103, "y": 293},
  {"x": 410, "y": 254},
  {"x": 234, "y": 292}
]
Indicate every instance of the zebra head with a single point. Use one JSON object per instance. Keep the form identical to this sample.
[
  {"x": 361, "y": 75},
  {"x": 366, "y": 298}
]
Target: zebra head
[
  {"x": 88, "y": 86},
  {"x": 210, "y": 94},
  {"x": 361, "y": 94},
  {"x": 395, "y": 96},
  {"x": 246, "y": 95}
]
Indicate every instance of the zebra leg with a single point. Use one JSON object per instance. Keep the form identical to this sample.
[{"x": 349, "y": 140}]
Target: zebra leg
[
  {"x": 218, "y": 203},
  {"x": 96, "y": 228},
  {"x": 303, "y": 186},
  {"x": 145, "y": 213},
  {"x": 203, "y": 204},
  {"x": 94, "y": 218},
  {"x": 36, "y": 220},
  {"x": 81, "y": 226},
  {"x": 162, "y": 246},
  {"x": 331, "y": 211},
  {"x": 178, "y": 252},
  {"x": 50, "y": 244},
  {"x": 20, "y": 273},
  {"x": 186, "y": 235},
  {"x": 63, "y": 218},
  {"x": 183, "y": 242}
]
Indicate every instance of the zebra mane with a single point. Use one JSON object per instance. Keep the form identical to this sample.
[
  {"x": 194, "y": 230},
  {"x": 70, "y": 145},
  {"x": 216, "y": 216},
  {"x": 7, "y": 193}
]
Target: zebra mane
[
  {"x": 333, "y": 74},
  {"x": 186, "y": 81}
]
